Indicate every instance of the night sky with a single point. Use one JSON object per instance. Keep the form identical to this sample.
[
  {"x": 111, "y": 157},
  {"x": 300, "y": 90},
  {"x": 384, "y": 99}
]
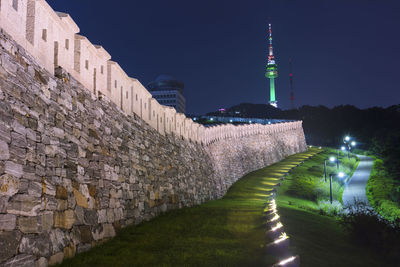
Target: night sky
[{"x": 343, "y": 53}]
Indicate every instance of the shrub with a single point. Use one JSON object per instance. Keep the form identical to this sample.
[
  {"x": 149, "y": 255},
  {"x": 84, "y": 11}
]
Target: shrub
[
  {"x": 370, "y": 229},
  {"x": 326, "y": 208}
]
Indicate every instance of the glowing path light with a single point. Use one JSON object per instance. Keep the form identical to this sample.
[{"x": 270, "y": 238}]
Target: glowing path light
[
  {"x": 276, "y": 217},
  {"x": 277, "y": 226},
  {"x": 281, "y": 238},
  {"x": 290, "y": 259}
]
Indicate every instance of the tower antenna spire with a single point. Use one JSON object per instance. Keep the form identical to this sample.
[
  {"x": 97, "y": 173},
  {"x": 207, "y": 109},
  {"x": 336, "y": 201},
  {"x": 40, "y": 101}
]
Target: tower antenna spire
[
  {"x": 271, "y": 69},
  {"x": 292, "y": 106}
]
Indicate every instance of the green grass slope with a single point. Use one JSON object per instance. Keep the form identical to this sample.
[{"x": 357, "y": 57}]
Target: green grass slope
[{"x": 224, "y": 232}]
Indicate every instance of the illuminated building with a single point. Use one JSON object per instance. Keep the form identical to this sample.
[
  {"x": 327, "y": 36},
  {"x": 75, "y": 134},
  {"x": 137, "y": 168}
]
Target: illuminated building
[{"x": 168, "y": 92}]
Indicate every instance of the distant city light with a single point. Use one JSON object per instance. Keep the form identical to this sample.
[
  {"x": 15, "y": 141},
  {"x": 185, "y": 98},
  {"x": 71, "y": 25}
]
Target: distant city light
[
  {"x": 269, "y": 122},
  {"x": 353, "y": 143},
  {"x": 221, "y": 109},
  {"x": 194, "y": 118},
  {"x": 211, "y": 119},
  {"x": 230, "y": 120},
  {"x": 332, "y": 159},
  {"x": 249, "y": 121}
]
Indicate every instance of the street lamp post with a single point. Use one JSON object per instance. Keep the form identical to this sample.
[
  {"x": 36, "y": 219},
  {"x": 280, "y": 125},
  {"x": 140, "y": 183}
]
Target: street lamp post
[
  {"x": 349, "y": 145},
  {"x": 337, "y": 160},
  {"x": 340, "y": 175},
  {"x": 330, "y": 187},
  {"x": 331, "y": 159}
]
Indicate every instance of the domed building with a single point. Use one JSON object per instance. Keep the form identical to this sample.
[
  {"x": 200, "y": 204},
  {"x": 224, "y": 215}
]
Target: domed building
[{"x": 169, "y": 92}]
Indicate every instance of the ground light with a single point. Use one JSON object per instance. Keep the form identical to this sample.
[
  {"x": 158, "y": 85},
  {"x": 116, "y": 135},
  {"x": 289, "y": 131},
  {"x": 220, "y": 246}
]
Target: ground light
[
  {"x": 290, "y": 259},
  {"x": 277, "y": 226},
  {"x": 343, "y": 148},
  {"x": 281, "y": 238},
  {"x": 340, "y": 174}
]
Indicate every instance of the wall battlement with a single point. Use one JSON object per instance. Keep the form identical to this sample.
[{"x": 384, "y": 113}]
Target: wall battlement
[{"x": 52, "y": 39}]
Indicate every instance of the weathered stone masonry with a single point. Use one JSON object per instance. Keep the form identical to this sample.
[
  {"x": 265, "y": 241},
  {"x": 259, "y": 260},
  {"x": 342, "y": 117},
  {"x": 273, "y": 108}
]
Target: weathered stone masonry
[{"x": 74, "y": 168}]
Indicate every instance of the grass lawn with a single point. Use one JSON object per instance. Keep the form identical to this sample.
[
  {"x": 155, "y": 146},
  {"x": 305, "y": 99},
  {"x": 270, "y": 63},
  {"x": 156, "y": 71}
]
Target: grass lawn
[
  {"x": 225, "y": 232},
  {"x": 318, "y": 239}
]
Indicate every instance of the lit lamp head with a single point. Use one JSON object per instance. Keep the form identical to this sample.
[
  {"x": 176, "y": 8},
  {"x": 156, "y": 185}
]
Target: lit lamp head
[
  {"x": 353, "y": 143},
  {"x": 343, "y": 148},
  {"x": 347, "y": 138},
  {"x": 341, "y": 174},
  {"x": 332, "y": 159}
]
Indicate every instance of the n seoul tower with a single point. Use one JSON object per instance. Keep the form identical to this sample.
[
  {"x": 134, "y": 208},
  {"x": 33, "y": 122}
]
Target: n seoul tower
[{"x": 271, "y": 71}]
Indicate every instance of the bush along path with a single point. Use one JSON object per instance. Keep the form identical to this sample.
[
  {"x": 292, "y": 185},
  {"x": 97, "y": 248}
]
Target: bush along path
[{"x": 231, "y": 231}]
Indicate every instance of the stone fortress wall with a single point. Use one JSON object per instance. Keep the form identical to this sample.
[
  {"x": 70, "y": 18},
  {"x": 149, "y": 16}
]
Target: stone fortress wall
[
  {"x": 52, "y": 39},
  {"x": 75, "y": 167}
]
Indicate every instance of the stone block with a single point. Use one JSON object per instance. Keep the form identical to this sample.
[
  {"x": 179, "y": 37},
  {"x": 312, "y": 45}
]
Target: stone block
[
  {"x": 14, "y": 169},
  {"x": 81, "y": 200},
  {"x": 4, "y": 152},
  {"x": 22, "y": 260},
  {"x": 56, "y": 258},
  {"x": 35, "y": 189},
  {"x": 18, "y": 140},
  {"x": 61, "y": 193},
  {"x": 69, "y": 251},
  {"x": 48, "y": 188},
  {"x": 9, "y": 185},
  {"x": 85, "y": 234},
  {"x": 47, "y": 222},
  {"x": 7, "y": 222},
  {"x": 24, "y": 205},
  {"x": 9, "y": 242},
  {"x": 58, "y": 240},
  {"x": 103, "y": 231},
  {"x": 90, "y": 217},
  {"x": 5, "y": 133},
  {"x": 41, "y": 262},
  {"x": 28, "y": 225},
  {"x": 3, "y": 204},
  {"x": 35, "y": 245},
  {"x": 64, "y": 219}
]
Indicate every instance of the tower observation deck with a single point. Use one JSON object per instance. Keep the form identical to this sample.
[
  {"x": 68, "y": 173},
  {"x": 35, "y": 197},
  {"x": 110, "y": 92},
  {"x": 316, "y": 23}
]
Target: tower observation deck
[{"x": 271, "y": 70}]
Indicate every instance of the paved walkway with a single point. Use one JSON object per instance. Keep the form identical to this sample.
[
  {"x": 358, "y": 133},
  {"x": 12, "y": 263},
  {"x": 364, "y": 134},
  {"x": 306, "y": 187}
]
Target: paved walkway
[{"x": 355, "y": 189}]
